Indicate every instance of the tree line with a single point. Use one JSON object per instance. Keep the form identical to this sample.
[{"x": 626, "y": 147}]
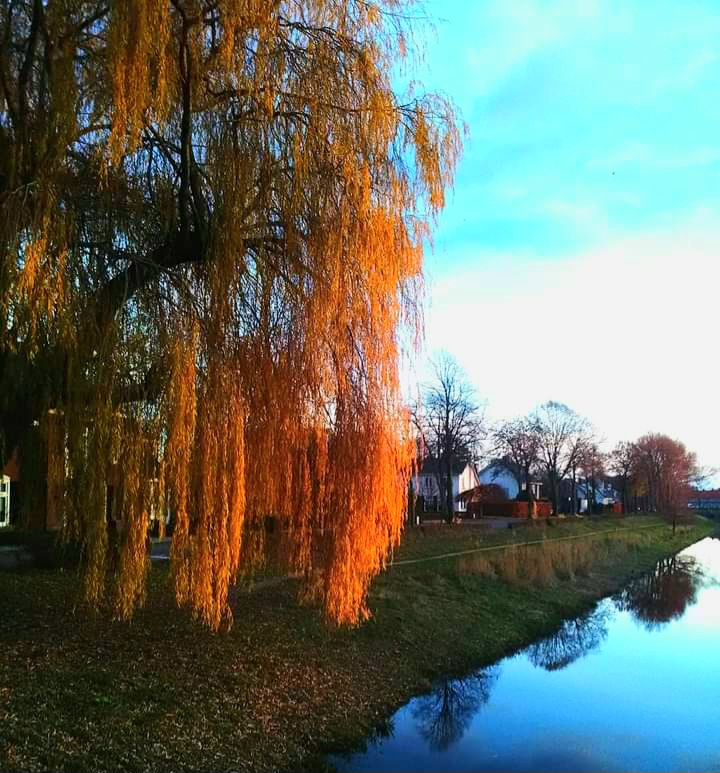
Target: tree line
[{"x": 654, "y": 473}]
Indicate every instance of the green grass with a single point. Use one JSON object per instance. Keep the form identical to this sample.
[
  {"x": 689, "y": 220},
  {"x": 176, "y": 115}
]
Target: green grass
[{"x": 281, "y": 688}]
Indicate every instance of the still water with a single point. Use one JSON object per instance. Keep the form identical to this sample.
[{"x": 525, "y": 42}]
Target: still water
[{"x": 632, "y": 685}]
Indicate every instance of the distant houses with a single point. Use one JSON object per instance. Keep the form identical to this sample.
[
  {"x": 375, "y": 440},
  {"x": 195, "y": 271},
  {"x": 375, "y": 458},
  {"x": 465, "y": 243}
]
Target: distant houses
[
  {"x": 593, "y": 497},
  {"x": 502, "y": 474},
  {"x": 428, "y": 485},
  {"x": 494, "y": 490},
  {"x": 498, "y": 490}
]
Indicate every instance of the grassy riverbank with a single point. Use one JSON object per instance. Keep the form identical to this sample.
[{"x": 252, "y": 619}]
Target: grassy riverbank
[{"x": 282, "y": 688}]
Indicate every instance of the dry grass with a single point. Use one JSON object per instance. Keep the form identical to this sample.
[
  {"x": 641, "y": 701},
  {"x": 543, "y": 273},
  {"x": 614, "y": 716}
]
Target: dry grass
[{"x": 546, "y": 564}]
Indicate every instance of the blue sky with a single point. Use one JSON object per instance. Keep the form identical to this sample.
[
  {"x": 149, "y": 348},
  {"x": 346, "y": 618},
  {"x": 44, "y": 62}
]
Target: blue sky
[{"x": 577, "y": 259}]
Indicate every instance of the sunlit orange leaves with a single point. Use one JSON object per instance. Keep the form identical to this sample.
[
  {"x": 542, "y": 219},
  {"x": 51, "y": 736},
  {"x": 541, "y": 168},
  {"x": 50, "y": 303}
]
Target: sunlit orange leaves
[{"x": 245, "y": 202}]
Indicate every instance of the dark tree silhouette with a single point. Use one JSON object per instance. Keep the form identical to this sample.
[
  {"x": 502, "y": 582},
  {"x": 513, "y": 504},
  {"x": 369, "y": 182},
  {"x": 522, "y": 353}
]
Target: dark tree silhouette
[
  {"x": 449, "y": 422},
  {"x": 622, "y": 464},
  {"x": 443, "y": 716},
  {"x": 562, "y": 435},
  {"x": 516, "y": 442},
  {"x": 572, "y": 641}
]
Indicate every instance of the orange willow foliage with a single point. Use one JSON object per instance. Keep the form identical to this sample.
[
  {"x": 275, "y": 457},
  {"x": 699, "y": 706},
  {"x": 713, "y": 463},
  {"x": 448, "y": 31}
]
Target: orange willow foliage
[{"x": 213, "y": 224}]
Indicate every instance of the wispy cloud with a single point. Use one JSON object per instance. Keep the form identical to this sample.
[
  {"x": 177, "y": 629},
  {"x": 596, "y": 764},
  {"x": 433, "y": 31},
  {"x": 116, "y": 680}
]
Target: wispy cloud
[
  {"x": 666, "y": 158},
  {"x": 624, "y": 333}
]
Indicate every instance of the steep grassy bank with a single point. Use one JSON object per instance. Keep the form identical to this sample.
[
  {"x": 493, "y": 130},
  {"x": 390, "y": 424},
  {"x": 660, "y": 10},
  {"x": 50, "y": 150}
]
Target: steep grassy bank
[{"x": 281, "y": 688}]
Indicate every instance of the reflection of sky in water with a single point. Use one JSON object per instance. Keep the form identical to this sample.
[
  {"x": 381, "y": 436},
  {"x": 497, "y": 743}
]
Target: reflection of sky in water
[{"x": 608, "y": 692}]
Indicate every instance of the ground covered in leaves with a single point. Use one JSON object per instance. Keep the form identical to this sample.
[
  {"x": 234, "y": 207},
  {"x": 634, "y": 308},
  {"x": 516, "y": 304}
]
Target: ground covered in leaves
[{"x": 282, "y": 688}]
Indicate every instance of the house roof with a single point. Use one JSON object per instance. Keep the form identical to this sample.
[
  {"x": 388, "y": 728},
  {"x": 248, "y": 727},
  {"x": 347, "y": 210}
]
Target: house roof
[
  {"x": 500, "y": 466},
  {"x": 431, "y": 467},
  {"x": 483, "y": 492}
]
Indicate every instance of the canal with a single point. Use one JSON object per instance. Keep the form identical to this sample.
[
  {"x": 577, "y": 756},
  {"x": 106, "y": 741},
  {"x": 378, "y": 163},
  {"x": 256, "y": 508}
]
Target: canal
[{"x": 634, "y": 684}]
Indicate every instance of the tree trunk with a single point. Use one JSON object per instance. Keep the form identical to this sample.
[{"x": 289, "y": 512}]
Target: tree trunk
[
  {"x": 33, "y": 479},
  {"x": 625, "y": 498},
  {"x": 530, "y": 497},
  {"x": 449, "y": 493}
]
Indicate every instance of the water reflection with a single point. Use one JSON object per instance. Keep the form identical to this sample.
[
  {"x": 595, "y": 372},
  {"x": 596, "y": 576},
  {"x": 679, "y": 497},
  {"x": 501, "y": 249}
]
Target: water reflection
[
  {"x": 443, "y": 716},
  {"x": 573, "y": 640},
  {"x": 663, "y": 594},
  {"x": 551, "y": 708}
]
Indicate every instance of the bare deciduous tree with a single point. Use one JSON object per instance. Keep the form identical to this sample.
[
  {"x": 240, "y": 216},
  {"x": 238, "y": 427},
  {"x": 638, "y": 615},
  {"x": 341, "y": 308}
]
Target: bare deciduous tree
[
  {"x": 591, "y": 462},
  {"x": 561, "y": 435},
  {"x": 449, "y": 421},
  {"x": 518, "y": 444},
  {"x": 621, "y": 463}
]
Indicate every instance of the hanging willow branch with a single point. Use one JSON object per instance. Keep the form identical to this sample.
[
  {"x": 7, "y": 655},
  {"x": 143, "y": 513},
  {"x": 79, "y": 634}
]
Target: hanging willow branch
[{"x": 212, "y": 228}]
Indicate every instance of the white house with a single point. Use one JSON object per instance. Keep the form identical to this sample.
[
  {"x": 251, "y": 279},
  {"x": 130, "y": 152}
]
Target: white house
[
  {"x": 426, "y": 480},
  {"x": 4, "y": 500},
  {"x": 605, "y": 494},
  {"x": 497, "y": 472}
]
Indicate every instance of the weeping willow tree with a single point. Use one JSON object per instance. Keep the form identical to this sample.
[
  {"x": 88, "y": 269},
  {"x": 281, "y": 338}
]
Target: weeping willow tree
[{"x": 212, "y": 223}]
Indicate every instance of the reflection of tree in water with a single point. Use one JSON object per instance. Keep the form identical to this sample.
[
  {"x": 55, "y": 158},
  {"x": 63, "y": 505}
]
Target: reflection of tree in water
[
  {"x": 665, "y": 593},
  {"x": 443, "y": 716},
  {"x": 574, "y": 639}
]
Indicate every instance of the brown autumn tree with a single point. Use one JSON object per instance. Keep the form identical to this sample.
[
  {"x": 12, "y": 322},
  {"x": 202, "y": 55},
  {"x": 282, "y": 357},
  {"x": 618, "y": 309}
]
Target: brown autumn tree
[
  {"x": 665, "y": 471},
  {"x": 212, "y": 223}
]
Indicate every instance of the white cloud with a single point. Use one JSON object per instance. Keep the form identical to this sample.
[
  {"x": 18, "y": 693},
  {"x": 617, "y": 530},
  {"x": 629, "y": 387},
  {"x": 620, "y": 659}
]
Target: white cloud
[
  {"x": 661, "y": 158},
  {"x": 625, "y": 334}
]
